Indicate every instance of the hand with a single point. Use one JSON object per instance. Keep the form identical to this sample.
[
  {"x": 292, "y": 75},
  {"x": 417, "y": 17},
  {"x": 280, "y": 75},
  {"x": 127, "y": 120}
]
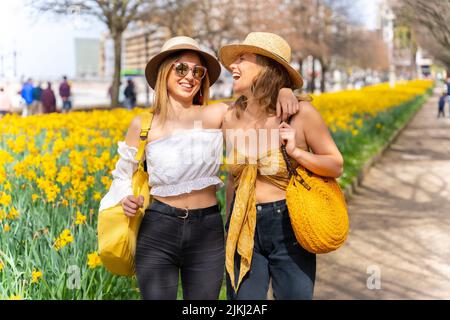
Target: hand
[
  {"x": 287, "y": 137},
  {"x": 130, "y": 205},
  {"x": 287, "y": 103}
]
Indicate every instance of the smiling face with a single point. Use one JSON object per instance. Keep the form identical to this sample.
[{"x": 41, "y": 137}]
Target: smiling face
[
  {"x": 244, "y": 71},
  {"x": 184, "y": 88}
]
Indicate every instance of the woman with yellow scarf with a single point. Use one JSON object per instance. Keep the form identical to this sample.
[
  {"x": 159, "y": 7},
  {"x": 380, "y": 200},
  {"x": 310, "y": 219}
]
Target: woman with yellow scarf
[{"x": 260, "y": 241}]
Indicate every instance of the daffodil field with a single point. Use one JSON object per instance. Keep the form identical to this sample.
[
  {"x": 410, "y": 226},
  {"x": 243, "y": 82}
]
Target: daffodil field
[{"x": 55, "y": 168}]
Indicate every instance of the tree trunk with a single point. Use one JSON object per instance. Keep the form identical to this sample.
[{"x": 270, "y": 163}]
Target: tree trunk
[
  {"x": 413, "y": 71},
  {"x": 300, "y": 68},
  {"x": 322, "y": 78},
  {"x": 312, "y": 84},
  {"x": 117, "y": 37}
]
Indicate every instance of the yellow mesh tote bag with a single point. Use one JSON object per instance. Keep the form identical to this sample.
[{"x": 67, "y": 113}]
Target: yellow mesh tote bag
[
  {"x": 317, "y": 209},
  {"x": 117, "y": 234}
]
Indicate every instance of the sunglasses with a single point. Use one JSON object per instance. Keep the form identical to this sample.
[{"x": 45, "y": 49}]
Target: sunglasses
[{"x": 182, "y": 69}]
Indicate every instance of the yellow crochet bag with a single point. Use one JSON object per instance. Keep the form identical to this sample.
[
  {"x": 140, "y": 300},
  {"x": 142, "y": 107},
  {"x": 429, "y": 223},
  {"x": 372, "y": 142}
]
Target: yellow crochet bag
[
  {"x": 317, "y": 209},
  {"x": 117, "y": 234}
]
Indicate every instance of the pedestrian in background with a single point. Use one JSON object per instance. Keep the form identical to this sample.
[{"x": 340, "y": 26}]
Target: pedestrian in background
[
  {"x": 441, "y": 105},
  {"x": 448, "y": 95},
  {"x": 27, "y": 95},
  {"x": 48, "y": 100},
  {"x": 130, "y": 95},
  {"x": 37, "y": 104},
  {"x": 64, "y": 92},
  {"x": 5, "y": 103}
]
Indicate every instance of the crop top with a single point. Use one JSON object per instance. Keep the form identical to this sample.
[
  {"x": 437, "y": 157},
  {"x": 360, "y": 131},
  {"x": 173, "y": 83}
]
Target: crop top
[{"x": 181, "y": 162}]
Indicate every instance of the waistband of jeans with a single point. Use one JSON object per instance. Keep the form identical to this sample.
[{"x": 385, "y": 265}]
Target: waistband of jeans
[
  {"x": 273, "y": 205},
  {"x": 164, "y": 208}
]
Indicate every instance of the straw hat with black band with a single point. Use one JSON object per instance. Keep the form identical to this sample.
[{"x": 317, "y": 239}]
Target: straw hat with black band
[
  {"x": 180, "y": 44},
  {"x": 266, "y": 44}
]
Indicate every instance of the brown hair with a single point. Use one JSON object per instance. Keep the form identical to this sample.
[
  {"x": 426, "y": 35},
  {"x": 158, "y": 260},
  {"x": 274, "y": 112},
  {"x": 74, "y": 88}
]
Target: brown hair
[
  {"x": 161, "y": 100},
  {"x": 266, "y": 86}
]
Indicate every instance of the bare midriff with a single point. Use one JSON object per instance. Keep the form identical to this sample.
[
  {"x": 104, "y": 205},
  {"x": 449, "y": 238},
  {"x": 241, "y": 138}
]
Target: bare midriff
[
  {"x": 268, "y": 192},
  {"x": 196, "y": 199}
]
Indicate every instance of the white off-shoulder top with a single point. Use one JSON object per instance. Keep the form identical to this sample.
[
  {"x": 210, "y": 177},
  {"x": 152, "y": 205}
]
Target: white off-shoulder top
[{"x": 184, "y": 161}]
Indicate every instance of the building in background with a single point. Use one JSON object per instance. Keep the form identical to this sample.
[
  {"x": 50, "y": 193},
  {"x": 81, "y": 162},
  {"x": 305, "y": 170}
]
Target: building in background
[
  {"x": 87, "y": 58},
  {"x": 141, "y": 42},
  {"x": 406, "y": 59},
  {"x": 424, "y": 63}
]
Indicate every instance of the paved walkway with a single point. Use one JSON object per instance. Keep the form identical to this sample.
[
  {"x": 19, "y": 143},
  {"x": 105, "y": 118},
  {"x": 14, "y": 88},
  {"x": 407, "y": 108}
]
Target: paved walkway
[{"x": 399, "y": 221}]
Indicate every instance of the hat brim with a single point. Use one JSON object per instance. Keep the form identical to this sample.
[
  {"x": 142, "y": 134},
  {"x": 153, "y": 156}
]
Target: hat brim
[
  {"x": 229, "y": 53},
  {"x": 212, "y": 64}
]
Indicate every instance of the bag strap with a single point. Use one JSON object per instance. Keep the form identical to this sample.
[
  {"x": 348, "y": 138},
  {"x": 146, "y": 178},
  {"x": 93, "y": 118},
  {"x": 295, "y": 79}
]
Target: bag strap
[
  {"x": 291, "y": 170},
  {"x": 146, "y": 123}
]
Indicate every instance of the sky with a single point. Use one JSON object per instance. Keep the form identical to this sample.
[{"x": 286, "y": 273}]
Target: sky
[{"x": 45, "y": 44}]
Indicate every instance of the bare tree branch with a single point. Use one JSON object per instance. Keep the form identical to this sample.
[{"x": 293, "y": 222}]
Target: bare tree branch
[{"x": 433, "y": 16}]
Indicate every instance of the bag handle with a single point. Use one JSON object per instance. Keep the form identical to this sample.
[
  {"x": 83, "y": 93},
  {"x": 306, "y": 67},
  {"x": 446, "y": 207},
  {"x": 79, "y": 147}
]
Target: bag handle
[{"x": 291, "y": 170}]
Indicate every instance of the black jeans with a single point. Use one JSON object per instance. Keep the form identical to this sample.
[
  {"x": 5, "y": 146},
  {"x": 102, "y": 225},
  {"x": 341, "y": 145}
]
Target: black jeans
[
  {"x": 169, "y": 245},
  {"x": 276, "y": 254}
]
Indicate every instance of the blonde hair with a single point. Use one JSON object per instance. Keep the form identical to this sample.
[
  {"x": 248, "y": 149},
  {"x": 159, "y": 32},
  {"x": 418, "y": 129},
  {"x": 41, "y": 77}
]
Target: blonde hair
[
  {"x": 161, "y": 100},
  {"x": 267, "y": 85}
]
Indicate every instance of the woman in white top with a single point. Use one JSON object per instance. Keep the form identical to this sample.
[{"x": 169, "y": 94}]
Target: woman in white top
[{"x": 182, "y": 230}]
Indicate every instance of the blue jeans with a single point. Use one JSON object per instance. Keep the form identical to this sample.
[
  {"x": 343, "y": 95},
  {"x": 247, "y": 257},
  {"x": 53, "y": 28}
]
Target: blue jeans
[
  {"x": 276, "y": 254},
  {"x": 67, "y": 105}
]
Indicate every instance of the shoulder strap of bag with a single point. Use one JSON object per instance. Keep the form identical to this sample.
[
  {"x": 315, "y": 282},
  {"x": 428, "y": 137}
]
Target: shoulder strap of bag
[
  {"x": 146, "y": 123},
  {"x": 291, "y": 170}
]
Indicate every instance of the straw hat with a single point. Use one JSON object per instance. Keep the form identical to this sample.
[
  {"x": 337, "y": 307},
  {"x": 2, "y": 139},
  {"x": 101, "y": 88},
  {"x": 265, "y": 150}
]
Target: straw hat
[
  {"x": 178, "y": 44},
  {"x": 266, "y": 44}
]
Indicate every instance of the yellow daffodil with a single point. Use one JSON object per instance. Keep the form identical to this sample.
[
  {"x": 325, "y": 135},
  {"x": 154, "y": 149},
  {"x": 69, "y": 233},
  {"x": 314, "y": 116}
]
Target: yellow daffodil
[
  {"x": 93, "y": 260},
  {"x": 106, "y": 181},
  {"x": 80, "y": 219},
  {"x": 64, "y": 239},
  {"x": 97, "y": 196},
  {"x": 13, "y": 214},
  {"x": 7, "y": 186},
  {"x": 5, "y": 199},
  {"x": 35, "y": 276}
]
